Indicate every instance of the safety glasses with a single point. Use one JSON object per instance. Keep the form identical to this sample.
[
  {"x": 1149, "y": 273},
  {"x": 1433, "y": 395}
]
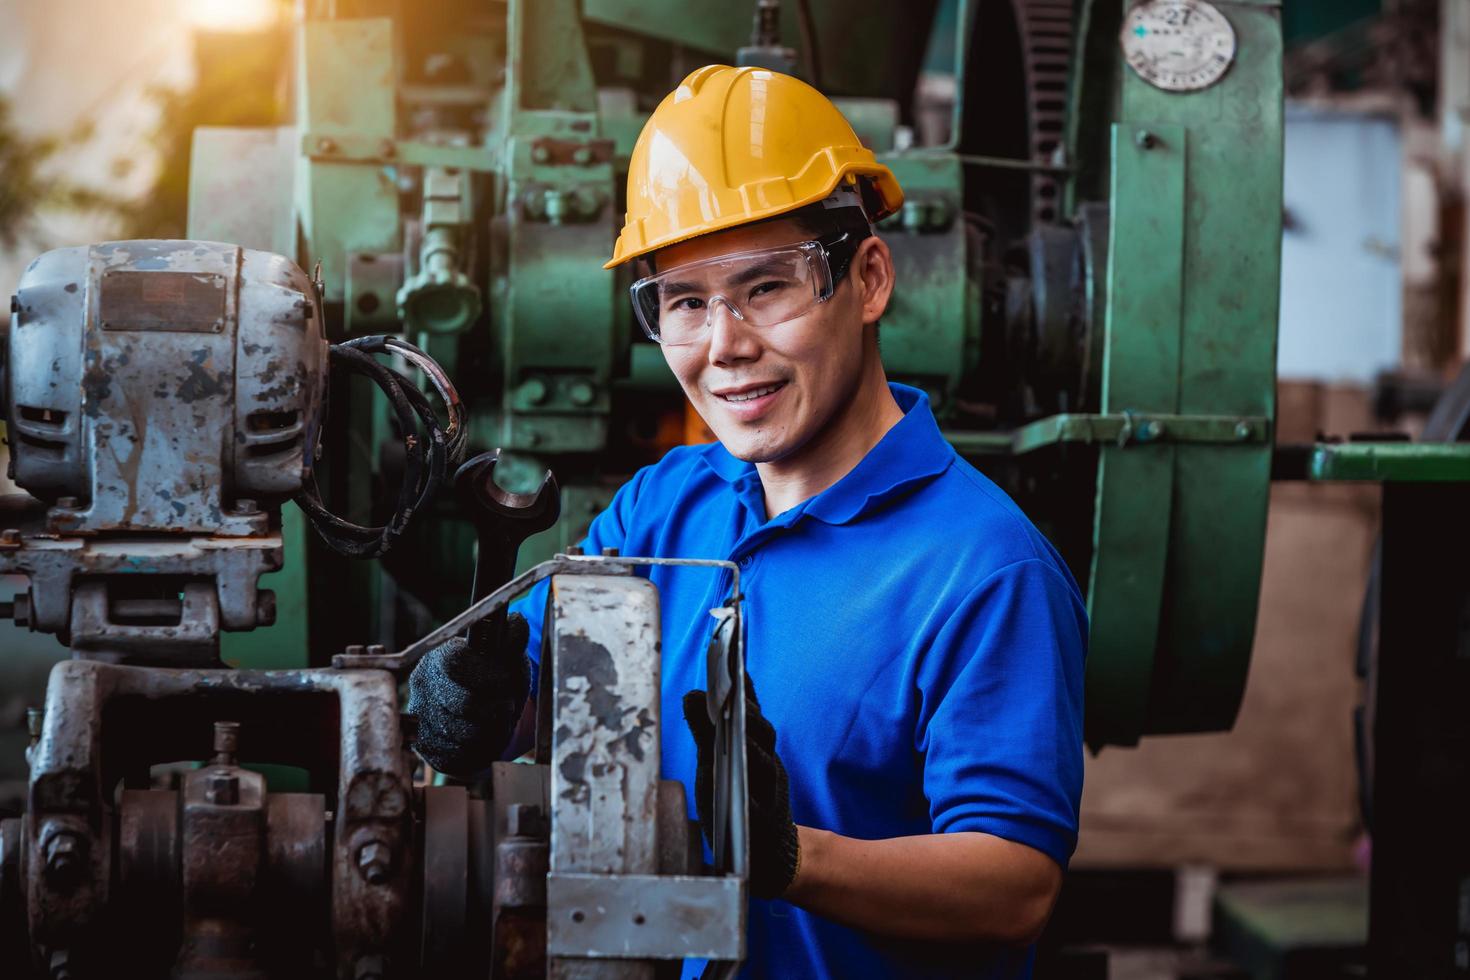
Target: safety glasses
[{"x": 763, "y": 287}]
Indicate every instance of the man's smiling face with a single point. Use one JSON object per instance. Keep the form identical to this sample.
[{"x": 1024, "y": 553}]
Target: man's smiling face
[{"x": 765, "y": 392}]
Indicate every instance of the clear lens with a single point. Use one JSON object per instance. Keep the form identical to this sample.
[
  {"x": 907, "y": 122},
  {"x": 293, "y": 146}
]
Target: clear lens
[{"x": 763, "y": 288}]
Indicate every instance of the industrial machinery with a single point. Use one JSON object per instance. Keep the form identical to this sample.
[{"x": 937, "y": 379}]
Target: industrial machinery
[
  {"x": 458, "y": 171},
  {"x": 166, "y": 398}
]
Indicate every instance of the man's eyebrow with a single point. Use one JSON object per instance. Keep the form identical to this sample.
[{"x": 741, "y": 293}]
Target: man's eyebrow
[
  {"x": 677, "y": 288},
  {"x": 770, "y": 267}
]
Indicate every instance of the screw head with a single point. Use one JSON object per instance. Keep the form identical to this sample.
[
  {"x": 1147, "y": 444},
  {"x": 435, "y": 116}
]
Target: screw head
[
  {"x": 1150, "y": 430},
  {"x": 246, "y": 506},
  {"x": 540, "y": 153},
  {"x": 1244, "y": 431},
  {"x": 374, "y": 862},
  {"x": 582, "y": 393},
  {"x": 1145, "y": 140},
  {"x": 582, "y": 155},
  {"x": 325, "y": 145}
]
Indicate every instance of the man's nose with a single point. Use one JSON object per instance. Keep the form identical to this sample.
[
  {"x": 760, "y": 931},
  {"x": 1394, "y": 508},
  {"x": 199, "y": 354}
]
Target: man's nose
[{"x": 731, "y": 338}]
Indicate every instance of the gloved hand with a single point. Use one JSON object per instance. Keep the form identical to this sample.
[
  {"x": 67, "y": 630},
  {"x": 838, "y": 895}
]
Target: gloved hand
[
  {"x": 775, "y": 852},
  {"x": 468, "y": 700}
]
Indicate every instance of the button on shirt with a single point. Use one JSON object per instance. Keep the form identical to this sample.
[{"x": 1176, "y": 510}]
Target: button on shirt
[{"x": 916, "y": 643}]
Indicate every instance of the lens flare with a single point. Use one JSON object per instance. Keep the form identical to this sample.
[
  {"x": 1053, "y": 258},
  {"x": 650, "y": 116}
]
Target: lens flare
[{"x": 232, "y": 15}]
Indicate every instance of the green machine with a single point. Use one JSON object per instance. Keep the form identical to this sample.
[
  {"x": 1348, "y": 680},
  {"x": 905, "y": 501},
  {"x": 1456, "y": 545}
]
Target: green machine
[{"x": 1088, "y": 263}]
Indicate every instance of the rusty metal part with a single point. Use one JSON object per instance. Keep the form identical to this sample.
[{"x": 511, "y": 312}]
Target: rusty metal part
[
  {"x": 149, "y": 897},
  {"x": 446, "y": 876},
  {"x": 679, "y": 850},
  {"x": 69, "y": 771},
  {"x": 522, "y": 860},
  {"x": 502, "y": 521},
  {"x": 222, "y": 853},
  {"x": 294, "y": 879}
]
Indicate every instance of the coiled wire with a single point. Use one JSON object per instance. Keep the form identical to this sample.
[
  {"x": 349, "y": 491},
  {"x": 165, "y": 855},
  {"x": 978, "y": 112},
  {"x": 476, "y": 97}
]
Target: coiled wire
[{"x": 430, "y": 449}]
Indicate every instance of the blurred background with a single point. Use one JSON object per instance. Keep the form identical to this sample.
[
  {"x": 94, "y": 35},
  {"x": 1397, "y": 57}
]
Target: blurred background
[{"x": 1218, "y": 855}]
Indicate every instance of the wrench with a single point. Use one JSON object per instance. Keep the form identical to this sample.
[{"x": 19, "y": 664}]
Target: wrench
[{"x": 503, "y": 521}]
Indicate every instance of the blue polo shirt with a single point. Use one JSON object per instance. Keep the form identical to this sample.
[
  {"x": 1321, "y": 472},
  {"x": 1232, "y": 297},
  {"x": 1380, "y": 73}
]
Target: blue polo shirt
[{"x": 916, "y": 642}]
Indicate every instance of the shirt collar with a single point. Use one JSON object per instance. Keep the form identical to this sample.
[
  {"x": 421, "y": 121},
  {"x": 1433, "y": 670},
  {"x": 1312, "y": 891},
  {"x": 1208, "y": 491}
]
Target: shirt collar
[{"x": 912, "y": 452}]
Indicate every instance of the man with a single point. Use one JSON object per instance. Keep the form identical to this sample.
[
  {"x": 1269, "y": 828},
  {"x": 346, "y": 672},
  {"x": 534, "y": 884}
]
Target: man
[{"x": 915, "y": 646}]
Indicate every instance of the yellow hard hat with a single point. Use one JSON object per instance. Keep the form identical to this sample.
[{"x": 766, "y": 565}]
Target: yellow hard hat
[{"x": 734, "y": 145}]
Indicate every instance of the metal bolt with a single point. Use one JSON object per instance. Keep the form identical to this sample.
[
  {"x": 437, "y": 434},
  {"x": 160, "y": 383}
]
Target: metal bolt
[
  {"x": 65, "y": 852},
  {"x": 1244, "y": 431},
  {"x": 582, "y": 155},
  {"x": 1145, "y": 140},
  {"x": 376, "y": 650},
  {"x": 35, "y": 723},
  {"x": 609, "y": 552},
  {"x": 540, "y": 153},
  {"x": 582, "y": 393},
  {"x": 67, "y": 503},
  {"x": 325, "y": 145},
  {"x": 21, "y": 609},
  {"x": 556, "y": 206},
  {"x": 1150, "y": 430},
  {"x": 575, "y": 549},
  {"x": 355, "y": 650},
  {"x": 245, "y": 506},
  {"x": 222, "y": 789},
  {"x": 374, "y": 862},
  {"x": 533, "y": 390},
  {"x": 10, "y": 536},
  {"x": 14, "y": 303},
  {"x": 226, "y": 742}
]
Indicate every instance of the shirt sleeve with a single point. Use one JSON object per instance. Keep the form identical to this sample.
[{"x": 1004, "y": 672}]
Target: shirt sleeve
[
  {"x": 609, "y": 529},
  {"x": 1000, "y": 730}
]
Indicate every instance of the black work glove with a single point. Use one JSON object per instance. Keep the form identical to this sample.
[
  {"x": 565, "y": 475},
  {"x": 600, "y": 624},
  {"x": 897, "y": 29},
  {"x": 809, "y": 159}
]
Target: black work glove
[
  {"x": 468, "y": 700},
  {"x": 775, "y": 852}
]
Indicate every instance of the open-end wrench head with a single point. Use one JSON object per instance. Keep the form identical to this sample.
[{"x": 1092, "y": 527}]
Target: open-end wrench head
[{"x": 485, "y": 500}]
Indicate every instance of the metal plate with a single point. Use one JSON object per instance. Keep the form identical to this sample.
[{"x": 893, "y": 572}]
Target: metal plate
[
  {"x": 175, "y": 302},
  {"x": 1178, "y": 45},
  {"x": 645, "y": 917}
]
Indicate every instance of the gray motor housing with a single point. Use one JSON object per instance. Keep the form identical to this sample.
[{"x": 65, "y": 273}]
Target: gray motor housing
[{"x": 160, "y": 383}]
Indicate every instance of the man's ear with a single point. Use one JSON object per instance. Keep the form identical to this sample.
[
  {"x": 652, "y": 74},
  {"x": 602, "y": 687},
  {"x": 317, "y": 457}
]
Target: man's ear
[{"x": 872, "y": 277}]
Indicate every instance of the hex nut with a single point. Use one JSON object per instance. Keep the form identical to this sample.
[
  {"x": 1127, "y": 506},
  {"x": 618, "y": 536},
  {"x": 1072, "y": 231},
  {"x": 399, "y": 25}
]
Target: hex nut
[
  {"x": 374, "y": 862},
  {"x": 66, "y": 853}
]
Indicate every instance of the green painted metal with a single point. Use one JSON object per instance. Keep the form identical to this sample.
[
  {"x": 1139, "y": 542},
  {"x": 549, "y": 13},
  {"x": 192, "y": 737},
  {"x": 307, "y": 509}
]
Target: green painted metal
[
  {"x": 283, "y": 645},
  {"x": 925, "y": 340},
  {"x": 346, "y": 90},
  {"x": 1135, "y": 484},
  {"x": 1140, "y": 428},
  {"x": 1293, "y": 928},
  {"x": 1391, "y": 462},
  {"x": 1181, "y": 528}
]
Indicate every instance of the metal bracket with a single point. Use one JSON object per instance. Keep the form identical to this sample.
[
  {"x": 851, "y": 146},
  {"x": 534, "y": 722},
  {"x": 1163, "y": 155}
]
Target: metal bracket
[{"x": 645, "y": 917}]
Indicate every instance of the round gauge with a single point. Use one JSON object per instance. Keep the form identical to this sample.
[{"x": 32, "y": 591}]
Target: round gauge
[{"x": 1178, "y": 45}]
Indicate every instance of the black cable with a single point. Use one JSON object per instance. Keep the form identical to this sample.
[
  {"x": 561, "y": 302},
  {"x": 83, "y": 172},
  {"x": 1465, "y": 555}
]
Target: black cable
[{"x": 430, "y": 449}]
